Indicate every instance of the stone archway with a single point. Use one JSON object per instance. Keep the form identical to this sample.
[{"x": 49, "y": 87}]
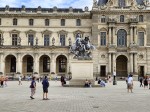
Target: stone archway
[
  {"x": 44, "y": 64},
  {"x": 61, "y": 65},
  {"x": 121, "y": 66},
  {"x": 27, "y": 65},
  {"x": 10, "y": 65}
]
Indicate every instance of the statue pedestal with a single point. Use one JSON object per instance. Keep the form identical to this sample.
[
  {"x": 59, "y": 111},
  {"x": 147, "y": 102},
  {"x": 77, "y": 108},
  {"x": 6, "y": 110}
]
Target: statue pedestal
[{"x": 81, "y": 70}]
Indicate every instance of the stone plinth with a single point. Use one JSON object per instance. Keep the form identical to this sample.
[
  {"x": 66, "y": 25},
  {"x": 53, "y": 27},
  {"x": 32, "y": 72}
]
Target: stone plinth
[{"x": 81, "y": 70}]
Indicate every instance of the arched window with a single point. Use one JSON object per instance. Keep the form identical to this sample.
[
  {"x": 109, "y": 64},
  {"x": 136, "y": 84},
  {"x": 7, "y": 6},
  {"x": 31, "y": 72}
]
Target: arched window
[
  {"x": 14, "y": 21},
  {"x": 46, "y": 22},
  {"x": 141, "y": 19},
  {"x": 31, "y": 22},
  {"x": 103, "y": 19},
  {"x": 122, "y": 18},
  {"x": 62, "y": 22},
  {"x": 78, "y": 22},
  {"x": 121, "y": 3},
  {"x": 121, "y": 37}
]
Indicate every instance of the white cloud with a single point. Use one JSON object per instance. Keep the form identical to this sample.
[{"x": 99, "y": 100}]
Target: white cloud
[{"x": 47, "y": 3}]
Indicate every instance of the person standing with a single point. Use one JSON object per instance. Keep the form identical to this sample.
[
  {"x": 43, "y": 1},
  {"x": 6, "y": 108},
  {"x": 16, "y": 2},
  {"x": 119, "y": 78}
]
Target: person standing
[
  {"x": 149, "y": 82},
  {"x": 145, "y": 82},
  {"x": 130, "y": 84},
  {"x": 33, "y": 87},
  {"x": 20, "y": 81},
  {"x": 45, "y": 84},
  {"x": 141, "y": 81},
  {"x": 114, "y": 75}
]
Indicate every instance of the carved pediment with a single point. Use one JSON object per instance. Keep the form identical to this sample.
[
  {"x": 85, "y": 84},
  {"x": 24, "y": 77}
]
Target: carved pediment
[
  {"x": 141, "y": 29},
  {"x": 30, "y": 32},
  {"x": 103, "y": 29},
  {"x": 78, "y": 31},
  {"x": 62, "y": 32},
  {"x": 47, "y": 32},
  {"x": 15, "y": 31}
]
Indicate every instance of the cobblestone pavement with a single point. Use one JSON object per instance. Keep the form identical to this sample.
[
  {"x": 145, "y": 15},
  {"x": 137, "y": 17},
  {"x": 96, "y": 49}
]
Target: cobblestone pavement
[{"x": 15, "y": 98}]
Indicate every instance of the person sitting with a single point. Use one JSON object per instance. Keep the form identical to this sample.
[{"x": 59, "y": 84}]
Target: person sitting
[
  {"x": 90, "y": 84},
  {"x": 102, "y": 83},
  {"x": 86, "y": 83}
]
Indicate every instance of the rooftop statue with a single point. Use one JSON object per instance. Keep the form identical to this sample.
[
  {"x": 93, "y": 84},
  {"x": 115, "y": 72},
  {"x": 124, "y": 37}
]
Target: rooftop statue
[{"x": 82, "y": 48}]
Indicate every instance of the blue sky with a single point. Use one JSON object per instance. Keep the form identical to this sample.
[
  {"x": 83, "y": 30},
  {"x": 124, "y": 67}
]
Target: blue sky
[{"x": 47, "y": 3}]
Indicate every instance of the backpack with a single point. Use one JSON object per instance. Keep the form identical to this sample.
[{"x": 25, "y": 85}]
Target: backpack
[{"x": 32, "y": 86}]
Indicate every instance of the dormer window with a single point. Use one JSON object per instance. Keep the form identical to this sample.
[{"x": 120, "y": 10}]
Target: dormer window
[{"x": 121, "y": 3}]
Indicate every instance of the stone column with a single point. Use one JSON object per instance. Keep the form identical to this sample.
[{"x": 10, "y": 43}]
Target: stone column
[
  {"x": 2, "y": 63},
  {"x": 19, "y": 63},
  {"x": 114, "y": 62},
  {"x": 109, "y": 63},
  {"x": 135, "y": 35},
  {"x": 114, "y": 38},
  {"x": 131, "y": 62},
  {"x": 36, "y": 63},
  {"x": 109, "y": 35},
  {"x": 131, "y": 34},
  {"x": 135, "y": 63},
  {"x": 53, "y": 63}
]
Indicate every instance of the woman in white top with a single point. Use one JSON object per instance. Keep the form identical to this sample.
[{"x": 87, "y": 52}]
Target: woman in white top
[{"x": 130, "y": 83}]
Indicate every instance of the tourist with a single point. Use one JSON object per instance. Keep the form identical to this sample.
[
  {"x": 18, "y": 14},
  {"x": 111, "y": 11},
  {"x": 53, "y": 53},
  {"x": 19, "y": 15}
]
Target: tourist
[
  {"x": 19, "y": 80},
  {"x": 102, "y": 83},
  {"x": 109, "y": 79},
  {"x": 145, "y": 82},
  {"x": 90, "y": 83},
  {"x": 33, "y": 87},
  {"x": 6, "y": 79},
  {"x": 130, "y": 84},
  {"x": 141, "y": 81},
  {"x": 86, "y": 83},
  {"x": 114, "y": 75},
  {"x": 149, "y": 82},
  {"x": 62, "y": 79},
  {"x": 45, "y": 84}
]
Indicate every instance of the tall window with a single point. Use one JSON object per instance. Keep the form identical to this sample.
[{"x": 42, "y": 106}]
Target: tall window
[
  {"x": 29, "y": 64},
  {"x": 141, "y": 18},
  {"x": 46, "y": 40},
  {"x": 78, "y": 22},
  {"x": 1, "y": 43},
  {"x": 141, "y": 38},
  {"x": 13, "y": 64},
  {"x": 62, "y": 40},
  {"x": 15, "y": 21},
  {"x": 46, "y": 64},
  {"x": 122, "y": 18},
  {"x": 46, "y": 22},
  {"x": 121, "y": 37},
  {"x": 103, "y": 38},
  {"x": 30, "y": 40},
  {"x": 62, "y": 22},
  {"x": 14, "y": 39},
  {"x": 31, "y": 22},
  {"x": 62, "y": 64},
  {"x": 0, "y": 21},
  {"x": 103, "y": 19},
  {"x": 121, "y": 3}
]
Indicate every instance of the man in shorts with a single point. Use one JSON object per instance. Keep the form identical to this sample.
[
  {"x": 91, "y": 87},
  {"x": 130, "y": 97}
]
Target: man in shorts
[{"x": 45, "y": 84}]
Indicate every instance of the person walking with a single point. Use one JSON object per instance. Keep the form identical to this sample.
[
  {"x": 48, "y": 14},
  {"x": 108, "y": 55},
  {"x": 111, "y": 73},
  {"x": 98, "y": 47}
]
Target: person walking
[
  {"x": 45, "y": 84},
  {"x": 130, "y": 84},
  {"x": 33, "y": 87},
  {"x": 19, "y": 80},
  {"x": 146, "y": 82},
  {"x": 141, "y": 81},
  {"x": 149, "y": 82}
]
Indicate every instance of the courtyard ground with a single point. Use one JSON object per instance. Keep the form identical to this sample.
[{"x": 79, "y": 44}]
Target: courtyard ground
[{"x": 112, "y": 98}]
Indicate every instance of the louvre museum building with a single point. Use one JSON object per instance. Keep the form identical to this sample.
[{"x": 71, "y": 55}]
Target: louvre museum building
[{"x": 38, "y": 40}]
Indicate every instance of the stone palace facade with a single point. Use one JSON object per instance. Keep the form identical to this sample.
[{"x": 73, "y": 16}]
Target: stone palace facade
[{"x": 37, "y": 40}]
